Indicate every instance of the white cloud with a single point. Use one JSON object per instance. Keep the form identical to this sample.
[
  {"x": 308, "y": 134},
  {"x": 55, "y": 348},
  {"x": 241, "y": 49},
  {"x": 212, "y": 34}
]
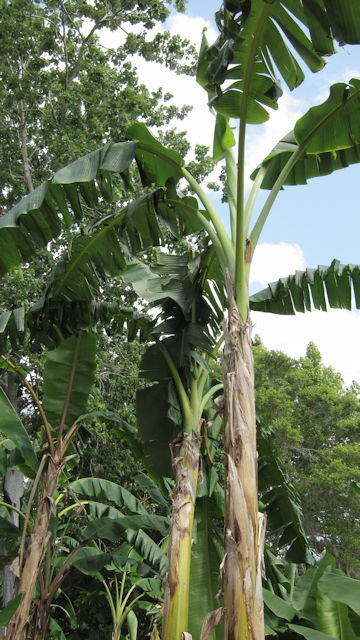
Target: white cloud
[
  {"x": 199, "y": 123},
  {"x": 274, "y": 261},
  {"x": 185, "y": 90},
  {"x": 191, "y": 27},
  {"x": 335, "y": 333},
  {"x": 114, "y": 39}
]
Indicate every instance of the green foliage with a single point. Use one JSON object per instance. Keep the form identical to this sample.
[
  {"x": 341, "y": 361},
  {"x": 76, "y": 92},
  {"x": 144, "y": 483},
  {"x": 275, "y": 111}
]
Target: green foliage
[
  {"x": 321, "y": 288},
  {"x": 281, "y": 502},
  {"x": 320, "y": 157},
  {"x": 207, "y": 556},
  {"x": 61, "y": 95},
  {"x": 106, "y": 490},
  {"x": 182, "y": 287},
  {"x": 321, "y": 604},
  {"x": 62, "y": 92},
  {"x": 68, "y": 377},
  {"x": 7, "y": 613},
  {"x": 315, "y": 427},
  {"x": 258, "y": 40},
  {"x": 13, "y": 428}
]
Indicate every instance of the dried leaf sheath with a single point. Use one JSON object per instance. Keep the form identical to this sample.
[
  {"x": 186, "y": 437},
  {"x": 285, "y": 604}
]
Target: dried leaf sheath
[
  {"x": 176, "y": 604},
  {"x": 243, "y": 559},
  {"x": 38, "y": 541}
]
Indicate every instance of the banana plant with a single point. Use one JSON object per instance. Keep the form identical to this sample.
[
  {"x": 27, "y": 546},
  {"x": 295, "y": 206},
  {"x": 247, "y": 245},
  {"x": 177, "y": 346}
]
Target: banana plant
[
  {"x": 317, "y": 604},
  {"x": 69, "y": 374},
  {"x": 258, "y": 41},
  {"x": 170, "y": 411},
  {"x": 137, "y": 560},
  {"x": 98, "y": 503}
]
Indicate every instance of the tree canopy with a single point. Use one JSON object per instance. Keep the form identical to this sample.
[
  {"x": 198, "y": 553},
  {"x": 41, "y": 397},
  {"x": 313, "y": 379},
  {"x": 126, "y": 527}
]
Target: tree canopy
[{"x": 315, "y": 423}]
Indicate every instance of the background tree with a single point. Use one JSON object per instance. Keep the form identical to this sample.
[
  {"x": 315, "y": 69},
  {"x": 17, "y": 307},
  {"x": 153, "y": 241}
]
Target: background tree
[
  {"x": 315, "y": 422},
  {"x": 62, "y": 93}
]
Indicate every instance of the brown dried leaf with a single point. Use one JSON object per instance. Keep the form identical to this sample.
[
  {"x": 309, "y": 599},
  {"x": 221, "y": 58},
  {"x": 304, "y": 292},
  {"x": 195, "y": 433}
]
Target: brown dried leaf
[
  {"x": 15, "y": 567},
  {"x": 211, "y": 621}
]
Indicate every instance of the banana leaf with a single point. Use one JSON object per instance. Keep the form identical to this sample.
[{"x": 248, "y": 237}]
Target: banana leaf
[
  {"x": 68, "y": 376},
  {"x": 328, "y": 136},
  {"x": 321, "y": 288},
  {"x": 261, "y": 42},
  {"x": 102, "y": 489},
  {"x": 13, "y": 428}
]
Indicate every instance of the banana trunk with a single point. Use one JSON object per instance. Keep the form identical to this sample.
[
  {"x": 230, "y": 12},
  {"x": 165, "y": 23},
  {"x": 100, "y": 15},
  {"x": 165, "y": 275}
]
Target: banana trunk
[
  {"x": 244, "y": 526},
  {"x": 176, "y": 603},
  {"x": 39, "y": 539}
]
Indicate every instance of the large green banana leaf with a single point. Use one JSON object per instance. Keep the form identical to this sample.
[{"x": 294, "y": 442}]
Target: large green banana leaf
[
  {"x": 195, "y": 277},
  {"x": 333, "y": 596},
  {"x": 156, "y": 164},
  {"x": 334, "y": 618},
  {"x": 57, "y": 204},
  {"x": 12, "y": 427},
  {"x": 91, "y": 560},
  {"x": 102, "y": 489},
  {"x": 320, "y": 288},
  {"x": 342, "y": 589},
  {"x": 327, "y": 136},
  {"x": 308, "y": 633},
  {"x": 207, "y": 555},
  {"x": 113, "y": 530},
  {"x": 137, "y": 547},
  {"x": 106, "y": 248},
  {"x": 281, "y": 503},
  {"x": 68, "y": 376},
  {"x": 323, "y": 604},
  {"x": 7, "y": 613},
  {"x": 183, "y": 287},
  {"x": 151, "y": 552},
  {"x": 261, "y": 41},
  {"x": 306, "y": 589},
  {"x": 47, "y": 321}
]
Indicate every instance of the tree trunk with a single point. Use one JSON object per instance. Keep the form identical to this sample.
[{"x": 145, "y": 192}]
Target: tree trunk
[
  {"x": 24, "y": 152},
  {"x": 176, "y": 602},
  {"x": 35, "y": 552},
  {"x": 40, "y": 621},
  {"x": 244, "y": 526}
]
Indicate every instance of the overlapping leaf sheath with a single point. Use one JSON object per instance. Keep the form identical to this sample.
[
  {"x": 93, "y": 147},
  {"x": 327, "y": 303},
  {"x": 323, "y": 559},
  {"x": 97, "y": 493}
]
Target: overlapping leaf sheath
[
  {"x": 39, "y": 539},
  {"x": 185, "y": 464},
  {"x": 244, "y": 527}
]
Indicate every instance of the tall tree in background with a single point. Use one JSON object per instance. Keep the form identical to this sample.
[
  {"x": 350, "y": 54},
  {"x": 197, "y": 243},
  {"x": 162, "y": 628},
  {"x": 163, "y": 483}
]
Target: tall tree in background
[
  {"x": 63, "y": 93},
  {"x": 314, "y": 421}
]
